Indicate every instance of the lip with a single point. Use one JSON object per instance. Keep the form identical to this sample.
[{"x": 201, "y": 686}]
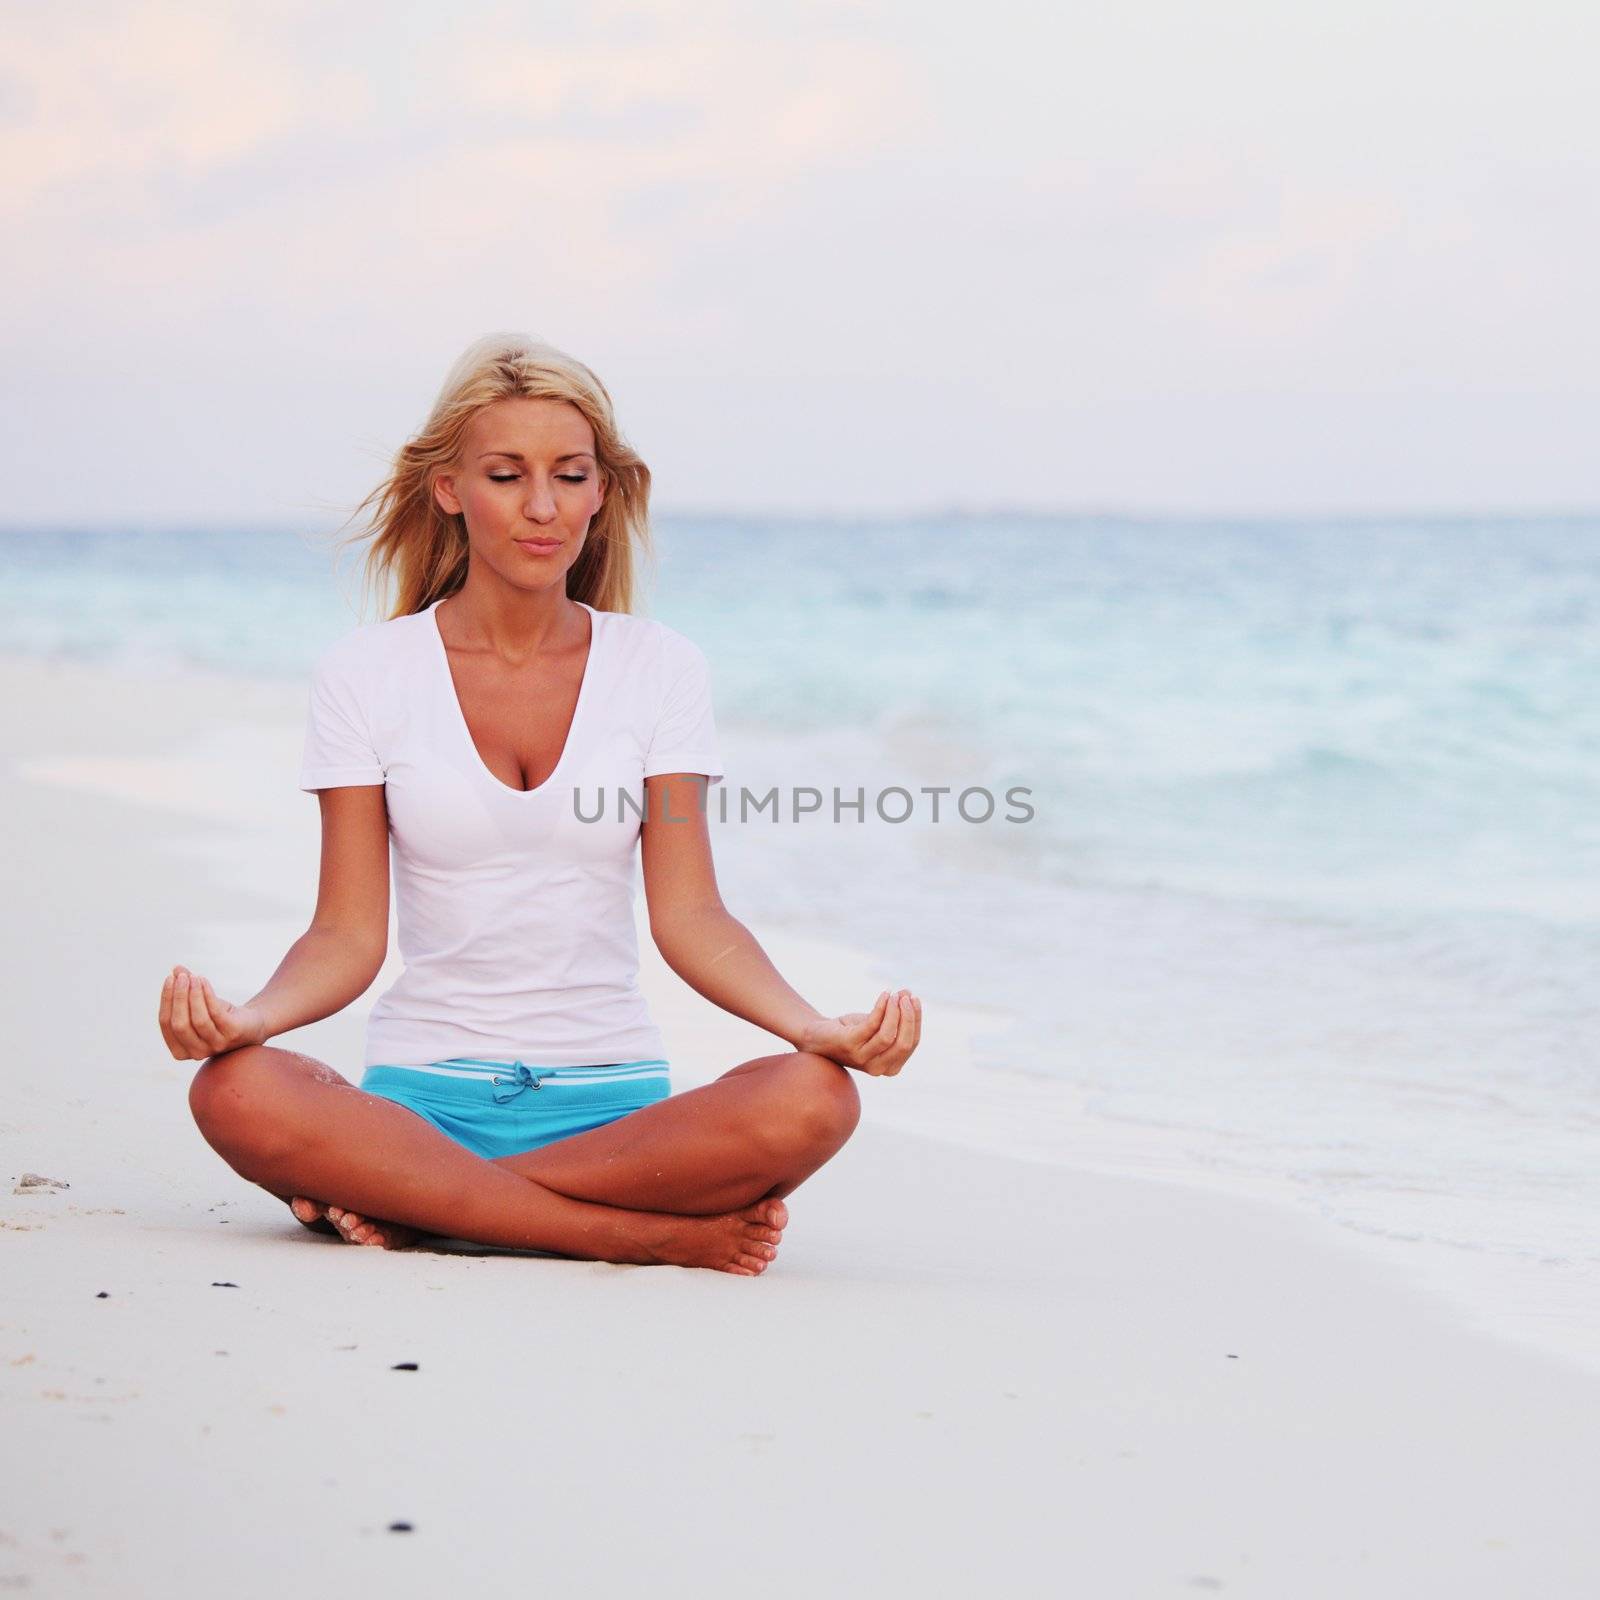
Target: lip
[{"x": 539, "y": 547}]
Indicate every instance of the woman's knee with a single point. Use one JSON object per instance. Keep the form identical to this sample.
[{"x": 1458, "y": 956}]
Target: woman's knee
[
  {"x": 816, "y": 1098},
  {"x": 237, "y": 1101}
]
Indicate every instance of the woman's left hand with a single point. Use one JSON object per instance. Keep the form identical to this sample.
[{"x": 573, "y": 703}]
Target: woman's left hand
[{"x": 876, "y": 1042}]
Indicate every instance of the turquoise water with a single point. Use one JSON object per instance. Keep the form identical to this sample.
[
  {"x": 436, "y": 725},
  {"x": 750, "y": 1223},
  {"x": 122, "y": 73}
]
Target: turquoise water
[{"x": 1314, "y": 872}]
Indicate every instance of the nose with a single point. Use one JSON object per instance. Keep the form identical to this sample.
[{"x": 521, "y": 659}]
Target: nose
[{"x": 539, "y": 505}]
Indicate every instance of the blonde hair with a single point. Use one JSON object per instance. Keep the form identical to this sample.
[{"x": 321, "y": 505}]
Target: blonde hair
[{"x": 417, "y": 551}]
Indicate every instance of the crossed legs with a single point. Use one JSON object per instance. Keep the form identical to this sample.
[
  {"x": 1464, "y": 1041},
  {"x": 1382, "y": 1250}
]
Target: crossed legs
[{"x": 695, "y": 1179}]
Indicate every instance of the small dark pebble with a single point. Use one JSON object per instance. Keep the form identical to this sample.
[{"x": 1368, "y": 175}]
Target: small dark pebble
[
  {"x": 103, "y": 1295},
  {"x": 216, "y": 1285},
  {"x": 404, "y": 1366},
  {"x": 399, "y": 1527},
  {"x": 1233, "y": 1358}
]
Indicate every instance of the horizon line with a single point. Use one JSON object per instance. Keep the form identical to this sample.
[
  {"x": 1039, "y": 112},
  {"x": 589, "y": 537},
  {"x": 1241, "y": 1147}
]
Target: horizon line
[{"x": 190, "y": 523}]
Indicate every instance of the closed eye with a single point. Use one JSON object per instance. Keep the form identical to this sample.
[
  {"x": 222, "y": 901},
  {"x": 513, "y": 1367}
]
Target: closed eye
[{"x": 565, "y": 477}]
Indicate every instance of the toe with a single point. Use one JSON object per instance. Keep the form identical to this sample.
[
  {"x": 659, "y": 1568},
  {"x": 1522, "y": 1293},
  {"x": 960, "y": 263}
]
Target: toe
[
  {"x": 311, "y": 1215},
  {"x": 347, "y": 1222}
]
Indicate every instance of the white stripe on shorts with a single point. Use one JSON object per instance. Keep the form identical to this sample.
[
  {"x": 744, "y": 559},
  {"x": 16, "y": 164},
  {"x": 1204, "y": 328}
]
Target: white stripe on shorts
[{"x": 616, "y": 1072}]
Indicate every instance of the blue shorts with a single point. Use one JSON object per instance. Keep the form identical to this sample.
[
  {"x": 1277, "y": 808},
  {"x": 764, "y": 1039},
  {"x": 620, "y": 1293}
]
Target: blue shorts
[{"x": 501, "y": 1108}]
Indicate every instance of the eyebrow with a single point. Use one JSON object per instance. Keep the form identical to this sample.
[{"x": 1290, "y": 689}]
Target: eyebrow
[{"x": 517, "y": 455}]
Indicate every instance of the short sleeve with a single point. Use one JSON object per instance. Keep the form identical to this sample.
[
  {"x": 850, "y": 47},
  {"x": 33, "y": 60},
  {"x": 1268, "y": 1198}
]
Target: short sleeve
[
  {"x": 685, "y": 735},
  {"x": 338, "y": 749}
]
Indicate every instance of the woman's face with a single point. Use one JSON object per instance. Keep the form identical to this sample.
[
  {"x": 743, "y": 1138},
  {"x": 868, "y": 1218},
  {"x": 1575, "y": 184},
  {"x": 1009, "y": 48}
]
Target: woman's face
[{"x": 527, "y": 484}]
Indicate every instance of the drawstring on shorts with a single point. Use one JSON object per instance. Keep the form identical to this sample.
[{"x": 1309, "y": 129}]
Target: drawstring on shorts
[{"x": 509, "y": 1088}]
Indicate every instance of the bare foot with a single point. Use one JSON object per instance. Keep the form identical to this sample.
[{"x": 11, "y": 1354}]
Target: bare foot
[
  {"x": 350, "y": 1226},
  {"x": 357, "y": 1229},
  {"x": 742, "y": 1242}
]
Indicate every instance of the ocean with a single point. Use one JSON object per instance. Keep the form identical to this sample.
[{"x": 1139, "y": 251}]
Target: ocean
[{"x": 1308, "y": 887}]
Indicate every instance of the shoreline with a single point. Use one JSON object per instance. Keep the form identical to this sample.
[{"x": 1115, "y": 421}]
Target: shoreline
[{"x": 217, "y": 768}]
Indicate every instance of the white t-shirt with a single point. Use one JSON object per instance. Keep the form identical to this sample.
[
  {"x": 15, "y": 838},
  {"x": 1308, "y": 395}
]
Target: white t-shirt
[{"x": 515, "y": 916}]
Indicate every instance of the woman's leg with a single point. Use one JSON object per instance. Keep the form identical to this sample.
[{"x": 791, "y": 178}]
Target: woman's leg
[
  {"x": 760, "y": 1130},
  {"x": 757, "y": 1132},
  {"x": 295, "y": 1127}
]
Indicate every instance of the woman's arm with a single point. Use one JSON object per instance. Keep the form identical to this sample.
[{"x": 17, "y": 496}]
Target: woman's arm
[
  {"x": 332, "y": 963},
  {"x": 698, "y": 937},
  {"x": 717, "y": 956},
  {"x": 335, "y": 960}
]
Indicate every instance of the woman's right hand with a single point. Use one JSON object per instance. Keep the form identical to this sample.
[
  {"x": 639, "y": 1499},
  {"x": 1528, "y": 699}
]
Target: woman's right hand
[{"x": 196, "y": 1022}]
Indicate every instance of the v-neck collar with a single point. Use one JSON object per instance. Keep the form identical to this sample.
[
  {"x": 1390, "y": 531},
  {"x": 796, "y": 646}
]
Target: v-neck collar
[{"x": 443, "y": 655}]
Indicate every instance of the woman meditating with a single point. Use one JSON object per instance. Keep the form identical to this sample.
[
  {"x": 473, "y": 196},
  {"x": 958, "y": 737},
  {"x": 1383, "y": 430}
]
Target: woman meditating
[{"x": 511, "y": 737}]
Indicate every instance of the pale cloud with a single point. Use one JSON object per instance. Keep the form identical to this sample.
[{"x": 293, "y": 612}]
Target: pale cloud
[
  {"x": 1286, "y": 276},
  {"x": 115, "y": 96},
  {"x": 186, "y": 91},
  {"x": 182, "y": 145},
  {"x": 704, "y": 105}
]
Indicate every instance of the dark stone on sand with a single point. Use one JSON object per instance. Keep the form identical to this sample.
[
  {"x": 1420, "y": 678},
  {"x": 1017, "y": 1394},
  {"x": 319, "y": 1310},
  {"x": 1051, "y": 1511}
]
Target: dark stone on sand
[
  {"x": 216, "y": 1285},
  {"x": 399, "y": 1527},
  {"x": 1232, "y": 1357},
  {"x": 103, "y": 1295},
  {"x": 404, "y": 1366}
]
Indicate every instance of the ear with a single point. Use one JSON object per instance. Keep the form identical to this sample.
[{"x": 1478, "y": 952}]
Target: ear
[{"x": 444, "y": 493}]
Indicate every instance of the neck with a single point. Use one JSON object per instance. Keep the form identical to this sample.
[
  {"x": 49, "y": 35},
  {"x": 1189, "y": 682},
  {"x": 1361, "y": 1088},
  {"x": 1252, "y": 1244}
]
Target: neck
[{"x": 513, "y": 623}]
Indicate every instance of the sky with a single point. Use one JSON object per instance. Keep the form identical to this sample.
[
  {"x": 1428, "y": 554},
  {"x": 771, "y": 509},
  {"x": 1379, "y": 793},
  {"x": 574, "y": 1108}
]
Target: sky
[{"x": 1147, "y": 256}]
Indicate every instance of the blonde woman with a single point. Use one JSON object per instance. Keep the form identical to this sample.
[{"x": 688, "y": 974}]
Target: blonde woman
[{"x": 515, "y": 1090}]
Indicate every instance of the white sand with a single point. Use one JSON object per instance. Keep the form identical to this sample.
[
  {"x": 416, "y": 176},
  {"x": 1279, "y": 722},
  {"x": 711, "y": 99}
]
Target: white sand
[{"x": 965, "y": 1373}]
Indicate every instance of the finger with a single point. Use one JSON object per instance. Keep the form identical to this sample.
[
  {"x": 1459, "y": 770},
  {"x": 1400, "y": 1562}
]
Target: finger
[
  {"x": 894, "y": 1055},
  {"x": 906, "y": 1034},
  {"x": 874, "y": 1018},
  {"x": 164, "y": 1015},
  {"x": 905, "y": 1038},
  {"x": 200, "y": 1024},
  {"x": 194, "y": 1008},
  {"x": 884, "y": 1037},
  {"x": 217, "y": 1009},
  {"x": 200, "y": 1014},
  {"x": 215, "y": 1005},
  {"x": 910, "y": 1032},
  {"x": 182, "y": 1031}
]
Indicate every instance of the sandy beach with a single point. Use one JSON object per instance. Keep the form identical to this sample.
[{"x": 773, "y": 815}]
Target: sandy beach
[{"x": 965, "y": 1372}]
